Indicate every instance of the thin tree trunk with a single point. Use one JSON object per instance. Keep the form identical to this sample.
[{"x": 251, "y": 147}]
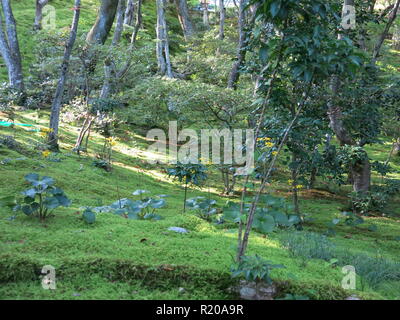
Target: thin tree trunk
[
  {"x": 184, "y": 19},
  {"x": 105, "y": 19},
  {"x": 120, "y": 22},
  {"x": 56, "y": 106},
  {"x": 109, "y": 78},
  {"x": 241, "y": 54},
  {"x": 385, "y": 32},
  {"x": 138, "y": 22},
  {"x": 39, "y": 14},
  {"x": 396, "y": 38},
  {"x": 222, "y": 12},
  {"x": 129, "y": 13},
  {"x": 206, "y": 20},
  {"x": 9, "y": 48},
  {"x": 162, "y": 46}
]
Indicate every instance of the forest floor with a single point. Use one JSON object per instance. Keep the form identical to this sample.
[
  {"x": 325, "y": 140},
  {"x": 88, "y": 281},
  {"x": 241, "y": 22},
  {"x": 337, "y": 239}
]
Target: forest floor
[{"x": 117, "y": 258}]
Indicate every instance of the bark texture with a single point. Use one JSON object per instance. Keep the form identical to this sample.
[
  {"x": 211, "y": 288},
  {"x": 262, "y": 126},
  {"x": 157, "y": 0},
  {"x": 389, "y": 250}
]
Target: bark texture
[
  {"x": 39, "y": 14},
  {"x": 56, "y": 106},
  {"x": 241, "y": 54},
  {"x": 184, "y": 18},
  {"x": 162, "y": 47},
  {"x": 138, "y": 22},
  {"x": 9, "y": 47},
  {"x": 206, "y": 20},
  {"x": 129, "y": 13},
  {"x": 120, "y": 22},
  {"x": 385, "y": 32},
  {"x": 105, "y": 19},
  {"x": 222, "y": 12}
]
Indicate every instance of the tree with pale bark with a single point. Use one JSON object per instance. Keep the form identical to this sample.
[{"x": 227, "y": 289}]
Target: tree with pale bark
[{"x": 9, "y": 47}]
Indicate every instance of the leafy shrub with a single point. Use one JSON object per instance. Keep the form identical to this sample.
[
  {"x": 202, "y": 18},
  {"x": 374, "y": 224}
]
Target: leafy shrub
[
  {"x": 392, "y": 186},
  {"x": 42, "y": 198},
  {"x": 255, "y": 268},
  {"x": 308, "y": 245},
  {"x": 366, "y": 201},
  {"x": 204, "y": 208},
  {"x": 89, "y": 216},
  {"x": 194, "y": 173},
  {"x": 143, "y": 209},
  {"x": 9, "y": 142},
  {"x": 271, "y": 213}
]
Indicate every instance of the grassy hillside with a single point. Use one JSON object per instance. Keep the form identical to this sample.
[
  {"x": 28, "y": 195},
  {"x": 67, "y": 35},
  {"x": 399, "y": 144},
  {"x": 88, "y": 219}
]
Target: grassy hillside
[
  {"x": 120, "y": 258},
  {"x": 117, "y": 258}
]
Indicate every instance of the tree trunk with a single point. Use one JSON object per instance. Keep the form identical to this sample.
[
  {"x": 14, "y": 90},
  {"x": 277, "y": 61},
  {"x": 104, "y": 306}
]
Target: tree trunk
[
  {"x": 184, "y": 19},
  {"x": 385, "y": 32},
  {"x": 129, "y": 13},
  {"x": 396, "y": 38},
  {"x": 38, "y": 14},
  {"x": 120, "y": 22},
  {"x": 56, "y": 106},
  {"x": 222, "y": 12},
  {"x": 396, "y": 148},
  {"x": 109, "y": 78},
  {"x": 9, "y": 48},
  {"x": 162, "y": 46},
  {"x": 138, "y": 22},
  {"x": 360, "y": 172},
  {"x": 241, "y": 54},
  {"x": 105, "y": 19},
  {"x": 206, "y": 20}
]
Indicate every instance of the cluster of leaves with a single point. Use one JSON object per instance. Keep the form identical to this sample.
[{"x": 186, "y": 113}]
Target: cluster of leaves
[
  {"x": 190, "y": 173},
  {"x": 142, "y": 209},
  {"x": 158, "y": 101},
  {"x": 366, "y": 201},
  {"x": 352, "y": 155},
  {"x": 40, "y": 199},
  {"x": 270, "y": 214},
  {"x": 255, "y": 268},
  {"x": 204, "y": 208}
]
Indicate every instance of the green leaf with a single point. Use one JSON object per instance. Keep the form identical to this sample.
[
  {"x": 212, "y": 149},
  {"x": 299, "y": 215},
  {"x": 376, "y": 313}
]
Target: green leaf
[
  {"x": 32, "y": 177},
  {"x": 51, "y": 203},
  {"x": 30, "y": 193},
  {"x": 63, "y": 200},
  {"x": 27, "y": 209},
  {"x": 263, "y": 54},
  {"x": 275, "y": 7},
  {"x": 89, "y": 216},
  {"x": 139, "y": 192}
]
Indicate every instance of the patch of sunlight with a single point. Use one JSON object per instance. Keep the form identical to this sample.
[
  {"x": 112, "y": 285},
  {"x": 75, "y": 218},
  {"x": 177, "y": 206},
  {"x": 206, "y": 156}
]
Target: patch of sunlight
[
  {"x": 256, "y": 238},
  {"x": 159, "y": 176}
]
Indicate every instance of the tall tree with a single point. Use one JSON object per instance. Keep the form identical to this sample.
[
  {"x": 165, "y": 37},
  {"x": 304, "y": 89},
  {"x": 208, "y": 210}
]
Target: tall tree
[
  {"x": 385, "y": 32},
  {"x": 222, "y": 12},
  {"x": 105, "y": 19},
  {"x": 138, "y": 22},
  {"x": 9, "y": 47},
  {"x": 162, "y": 46},
  {"x": 120, "y": 22},
  {"x": 241, "y": 51},
  {"x": 184, "y": 18},
  {"x": 39, "y": 14},
  {"x": 129, "y": 13},
  {"x": 206, "y": 20},
  {"x": 56, "y": 106},
  {"x": 360, "y": 172}
]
